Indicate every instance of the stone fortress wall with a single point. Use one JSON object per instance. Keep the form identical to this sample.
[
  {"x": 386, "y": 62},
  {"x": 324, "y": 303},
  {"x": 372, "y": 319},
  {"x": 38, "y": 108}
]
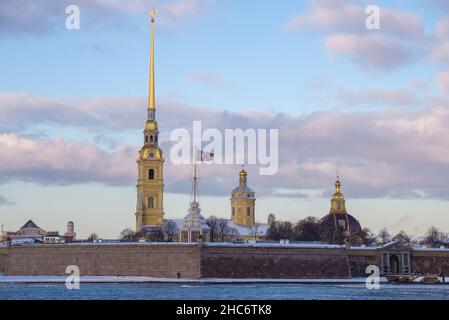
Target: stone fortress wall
[
  {"x": 3, "y": 259},
  {"x": 430, "y": 261},
  {"x": 273, "y": 262},
  {"x": 151, "y": 260},
  {"x": 195, "y": 261}
]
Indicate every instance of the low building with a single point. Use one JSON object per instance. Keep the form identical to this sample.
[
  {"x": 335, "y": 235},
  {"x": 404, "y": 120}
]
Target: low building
[
  {"x": 53, "y": 237},
  {"x": 28, "y": 231}
]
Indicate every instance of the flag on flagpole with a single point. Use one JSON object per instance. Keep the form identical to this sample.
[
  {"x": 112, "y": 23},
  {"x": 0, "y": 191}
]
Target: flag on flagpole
[{"x": 204, "y": 156}]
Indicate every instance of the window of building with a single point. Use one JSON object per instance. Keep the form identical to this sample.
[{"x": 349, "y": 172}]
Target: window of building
[
  {"x": 151, "y": 174},
  {"x": 146, "y": 138},
  {"x": 151, "y": 138},
  {"x": 248, "y": 211},
  {"x": 233, "y": 211},
  {"x": 150, "y": 202}
]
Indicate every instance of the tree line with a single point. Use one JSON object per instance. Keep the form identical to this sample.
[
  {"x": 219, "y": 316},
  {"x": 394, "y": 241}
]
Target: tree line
[
  {"x": 310, "y": 230},
  {"x": 305, "y": 230}
]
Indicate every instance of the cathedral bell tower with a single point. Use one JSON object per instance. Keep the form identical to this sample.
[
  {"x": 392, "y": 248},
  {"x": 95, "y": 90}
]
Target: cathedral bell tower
[
  {"x": 150, "y": 181},
  {"x": 243, "y": 201}
]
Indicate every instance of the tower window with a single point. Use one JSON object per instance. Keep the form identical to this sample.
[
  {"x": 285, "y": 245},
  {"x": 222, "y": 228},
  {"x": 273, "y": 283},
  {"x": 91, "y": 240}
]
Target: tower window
[
  {"x": 155, "y": 138},
  {"x": 150, "y": 202},
  {"x": 151, "y": 138},
  {"x": 233, "y": 211},
  {"x": 151, "y": 174},
  {"x": 146, "y": 138},
  {"x": 248, "y": 211}
]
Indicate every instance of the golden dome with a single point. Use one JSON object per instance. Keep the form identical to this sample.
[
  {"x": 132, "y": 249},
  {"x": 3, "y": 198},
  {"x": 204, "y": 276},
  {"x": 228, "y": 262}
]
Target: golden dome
[
  {"x": 243, "y": 174},
  {"x": 151, "y": 125}
]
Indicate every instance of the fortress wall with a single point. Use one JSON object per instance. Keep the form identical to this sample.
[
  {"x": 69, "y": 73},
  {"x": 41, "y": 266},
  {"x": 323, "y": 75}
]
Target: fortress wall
[
  {"x": 106, "y": 260},
  {"x": 359, "y": 260},
  {"x": 273, "y": 262},
  {"x": 3, "y": 259},
  {"x": 430, "y": 261}
]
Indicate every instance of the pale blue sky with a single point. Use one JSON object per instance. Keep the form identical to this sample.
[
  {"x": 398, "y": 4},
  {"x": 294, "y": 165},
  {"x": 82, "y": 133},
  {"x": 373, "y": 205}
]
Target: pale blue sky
[{"x": 234, "y": 56}]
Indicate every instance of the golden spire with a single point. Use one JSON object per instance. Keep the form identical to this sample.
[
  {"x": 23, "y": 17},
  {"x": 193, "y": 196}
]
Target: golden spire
[
  {"x": 151, "y": 96},
  {"x": 243, "y": 175},
  {"x": 337, "y": 186},
  {"x": 338, "y": 200}
]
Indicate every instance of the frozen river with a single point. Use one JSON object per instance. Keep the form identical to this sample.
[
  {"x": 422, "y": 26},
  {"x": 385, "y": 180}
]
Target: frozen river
[{"x": 231, "y": 291}]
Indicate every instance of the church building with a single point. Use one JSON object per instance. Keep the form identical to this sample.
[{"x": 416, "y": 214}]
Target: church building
[
  {"x": 150, "y": 181},
  {"x": 338, "y": 218},
  {"x": 194, "y": 225},
  {"x": 243, "y": 201}
]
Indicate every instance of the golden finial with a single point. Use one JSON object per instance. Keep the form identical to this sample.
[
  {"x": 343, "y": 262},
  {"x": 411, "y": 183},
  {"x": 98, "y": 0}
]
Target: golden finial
[
  {"x": 153, "y": 14},
  {"x": 151, "y": 95},
  {"x": 337, "y": 185}
]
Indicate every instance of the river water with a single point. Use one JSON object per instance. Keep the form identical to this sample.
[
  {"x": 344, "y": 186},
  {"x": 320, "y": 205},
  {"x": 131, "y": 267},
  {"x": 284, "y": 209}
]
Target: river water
[{"x": 152, "y": 291}]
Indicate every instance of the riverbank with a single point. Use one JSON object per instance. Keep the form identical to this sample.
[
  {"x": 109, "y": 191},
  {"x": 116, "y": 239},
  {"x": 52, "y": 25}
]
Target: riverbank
[{"x": 114, "y": 279}]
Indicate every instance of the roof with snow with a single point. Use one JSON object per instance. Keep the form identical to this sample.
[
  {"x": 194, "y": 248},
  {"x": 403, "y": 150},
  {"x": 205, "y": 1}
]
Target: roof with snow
[
  {"x": 241, "y": 230},
  {"x": 30, "y": 224}
]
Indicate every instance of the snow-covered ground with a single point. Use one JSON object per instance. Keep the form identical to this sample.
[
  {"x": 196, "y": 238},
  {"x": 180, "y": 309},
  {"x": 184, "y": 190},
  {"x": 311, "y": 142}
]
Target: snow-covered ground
[{"x": 114, "y": 279}]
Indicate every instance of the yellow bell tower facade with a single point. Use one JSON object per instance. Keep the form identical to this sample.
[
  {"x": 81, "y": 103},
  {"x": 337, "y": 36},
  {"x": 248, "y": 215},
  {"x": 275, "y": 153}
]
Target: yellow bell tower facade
[
  {"x": 243, "y": 202},
  {"x": 150, "y": 180}
]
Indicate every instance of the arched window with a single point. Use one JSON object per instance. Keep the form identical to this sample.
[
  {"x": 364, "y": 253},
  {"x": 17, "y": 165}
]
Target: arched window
[
  {"x": 248, "y": 211},
  {"x": 233, "y": 211},
  {"x": 151, "y": 174},
  {"x": 155, "y": 138},
  {"x": 150, "y": 202},
  {"x": 146, "y": 138},
  {"x": 151, "y": 138}
]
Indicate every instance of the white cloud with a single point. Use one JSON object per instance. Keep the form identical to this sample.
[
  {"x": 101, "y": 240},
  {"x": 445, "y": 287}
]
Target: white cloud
[
  {"x": 401, "y": 36},
  {"x": 443, "y": 81},
  {"x": 379, "y": 153}
]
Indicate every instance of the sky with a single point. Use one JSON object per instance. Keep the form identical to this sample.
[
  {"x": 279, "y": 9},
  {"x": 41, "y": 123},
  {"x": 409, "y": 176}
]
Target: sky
[{"x": 371, "y": 105}]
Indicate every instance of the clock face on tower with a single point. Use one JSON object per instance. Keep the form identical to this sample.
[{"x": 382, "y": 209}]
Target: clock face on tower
[{"x": 151, "y": 154}]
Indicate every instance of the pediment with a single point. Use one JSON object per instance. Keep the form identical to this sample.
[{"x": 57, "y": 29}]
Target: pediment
[{"x": 396, "y": 246}]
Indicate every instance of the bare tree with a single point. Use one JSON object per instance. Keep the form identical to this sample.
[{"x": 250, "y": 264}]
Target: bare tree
[
  {"x": 93, "y": 237},
  {"x": 365, "y": 237},
  {"x": 223, "y": 230},
  {"x": 212, "y": 222},
  {"x": 402, "y": 237},
  {"x": 280, "y": 230},
  {"x": 434, "y": 237},
  {"x": 384, "y": 236},
  {"x": 307, "y": 229},
  {"x": 254, "y": 230},
  {"x": 169, "y": 229},
  {"x": 273, "y": 231},
  {"x": 128, "y": 235},
  {"x": 286, "y": 230}
]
